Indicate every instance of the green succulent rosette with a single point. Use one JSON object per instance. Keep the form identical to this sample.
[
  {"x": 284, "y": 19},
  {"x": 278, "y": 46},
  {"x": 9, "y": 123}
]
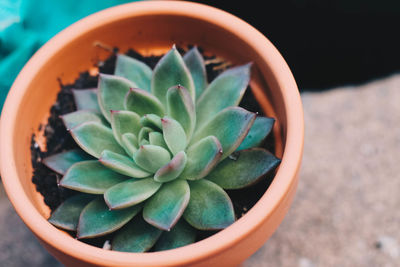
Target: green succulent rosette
[{"x": 156, "y": 153}]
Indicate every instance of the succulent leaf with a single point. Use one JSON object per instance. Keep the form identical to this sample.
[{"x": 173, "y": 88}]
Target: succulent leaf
[
  {"x": 173, "y": 169},
  {"x": 122, "y": 164},
  {"x": 174, "y": 135},
  {"x": 152, "y": 121},
  {"x": 90, "y": 177},
  {"x": 195, "y": 63},
  {"x": 202, "y": 157},
  {"x": 136, "y": 236},
  {"x": 210, "y": 207},
  {"x": 130, "y": 143},
  {"x": 133, "y": 70},
  {"x": 181, "y": 108},
  {"x": 225, "y": 91},
  {"x": 97, "y": 219},
  {"x": 166, "y": 207},
  {"x": 86, "y": 99},
  {"x": 123, "y": 121},
  {"x": 66, "y": 216},
  {"x": 246, "y": 168},
  {"x": 142, "y": 102},
  {"x": 144, "y": 134},
  {"x": 258, "y": 132},
  {"x": 75, "y": 118},
  {"x": 181, "y": 234},
  {"x": 111, "y": 93},
  {"x": 61, "y": 162},
  {"x": 157, "y": 139},
  {"x": 170, "y": 71},
  {"x": 94, "y": 138},
  {"x": 151, "y": 158},
  {"x": 230, "y": 127},
  {"x": 130, "y": 192}
]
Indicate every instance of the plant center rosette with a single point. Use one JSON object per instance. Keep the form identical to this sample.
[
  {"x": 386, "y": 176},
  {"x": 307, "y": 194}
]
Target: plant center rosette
[{"x": 158, "y": 149}]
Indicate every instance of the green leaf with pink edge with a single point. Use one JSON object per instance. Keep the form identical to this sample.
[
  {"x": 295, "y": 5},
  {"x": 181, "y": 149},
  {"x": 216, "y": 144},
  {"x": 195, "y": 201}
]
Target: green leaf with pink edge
[
  {"x": 230, "y": 127},
  {"x": 181, "y": 108},
  {"x": 165, "y": 208},
  {"x": 258, "y": 132},
  {"x": 152, "y": 121},
  {"x": 210, "y": 207},
  {"x": 91, "y": 177},
  {"x": 86, "y": 99},
  {"x": 133, "y": 70},
  {"x": 130, "y": 143},
  {"x": 181, "y": 234},
  {"x": 174, "y": 135},
  {"x": 142, "y": 103},
  {"x": 111, "y": 93},
  {"x": 170, "y": 71},
  {"x": 151, "y": 158},
  {"x": 137, "y": 236},
  {"x": 225, "y": 91},
  {"x": 123, "y": 121},
  {"x": 157, "y": 139},
  {"x": 243, "y": 168},
  {"x": 195, "y": 63},
  {"x": 122, "y": 164},
  {"x": 61, "y": 162},
  {"x": 202, "y": 158},
  {"x": 76, "y": 118},
  {"x": 94, "y": 138},
  {"x": 97, "y": 219},
  {"x": 66, "y": 216},
  {"x": 173, "y": 169},
  {"x": 130, "y": 192}
]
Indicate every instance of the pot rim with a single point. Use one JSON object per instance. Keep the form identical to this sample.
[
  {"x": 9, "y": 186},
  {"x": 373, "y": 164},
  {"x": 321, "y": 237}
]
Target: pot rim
[{"x": 198, "y": 251}]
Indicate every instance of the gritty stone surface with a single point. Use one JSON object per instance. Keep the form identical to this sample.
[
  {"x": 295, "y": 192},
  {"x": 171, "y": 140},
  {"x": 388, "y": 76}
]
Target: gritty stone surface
[{"x": 346, "y": 211}]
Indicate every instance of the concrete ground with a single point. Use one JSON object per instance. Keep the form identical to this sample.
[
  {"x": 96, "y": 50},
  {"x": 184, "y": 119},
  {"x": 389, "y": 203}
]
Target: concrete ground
[{"x": 346, "y": 211}]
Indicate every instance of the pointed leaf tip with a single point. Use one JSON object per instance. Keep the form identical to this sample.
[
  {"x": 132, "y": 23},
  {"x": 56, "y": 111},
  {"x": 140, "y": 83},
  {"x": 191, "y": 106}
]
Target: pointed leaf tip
[
  {"x": 173, "y": 169},
  {"x": 61, "y": 162},
  {"x": 230, "y": 127},
  {"x": 142, "y": 103},
  {"x": 202, "y": 158},
  {"x": 258, "y": 132},
  {"x": 151, "y": 158},
  {"x": 90, "y": 177},
  {"x": 180, "y": 107},
  {"x": 246, "y": 169},
  {"x": 195, "y": 63},
  {"x": 97, "y": 219},
  {"x": 111, "y": 93},
  {"x": 171, "y": 71},
  {"x": 94, "y": 137},
  {"x": 225, "y": 91},
  {"x": 133, "y": 70},
  {"x": 122, "y": 164},
  {"x": 130, "y": 192},
  {"x": 165, "y": 208}
]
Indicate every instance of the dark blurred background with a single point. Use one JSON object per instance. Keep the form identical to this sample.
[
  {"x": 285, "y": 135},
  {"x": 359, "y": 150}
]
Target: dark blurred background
[{"x": 328, "y": 43}]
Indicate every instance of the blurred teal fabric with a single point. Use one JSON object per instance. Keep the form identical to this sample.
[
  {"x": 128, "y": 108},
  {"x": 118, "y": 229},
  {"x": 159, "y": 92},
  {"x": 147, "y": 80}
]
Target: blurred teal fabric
[{"x": 25, "y": 25}]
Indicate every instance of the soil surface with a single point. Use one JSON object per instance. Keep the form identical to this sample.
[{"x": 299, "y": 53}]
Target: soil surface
[{"x": 58, "y": 139}]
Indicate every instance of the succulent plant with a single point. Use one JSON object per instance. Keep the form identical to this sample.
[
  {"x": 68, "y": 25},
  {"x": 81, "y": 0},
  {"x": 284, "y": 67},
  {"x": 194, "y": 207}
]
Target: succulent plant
[{"x": 155, "y": 162}]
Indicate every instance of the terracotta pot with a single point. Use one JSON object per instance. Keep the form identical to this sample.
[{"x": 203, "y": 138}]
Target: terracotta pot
[{"x": 152, "y": 27}]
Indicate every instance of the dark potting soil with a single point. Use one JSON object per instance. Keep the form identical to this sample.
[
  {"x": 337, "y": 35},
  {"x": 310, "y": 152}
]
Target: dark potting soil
[{"x": 58, "y": 139}]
